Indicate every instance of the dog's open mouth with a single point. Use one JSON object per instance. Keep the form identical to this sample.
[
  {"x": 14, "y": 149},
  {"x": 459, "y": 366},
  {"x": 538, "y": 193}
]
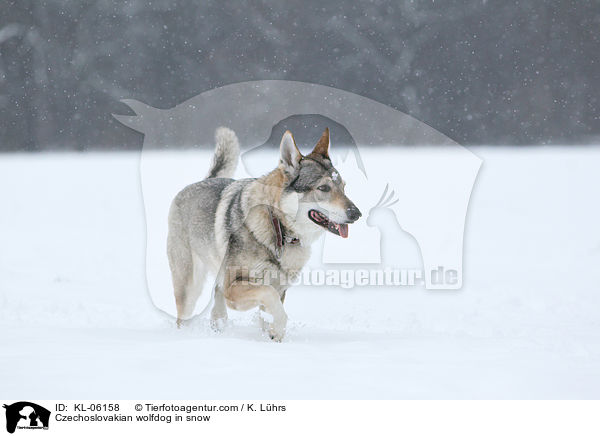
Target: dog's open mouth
[{"x": 335, "y": 228}]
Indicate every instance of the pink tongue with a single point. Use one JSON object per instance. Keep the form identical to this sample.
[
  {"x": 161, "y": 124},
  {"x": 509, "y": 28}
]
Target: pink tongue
[{"x": 343, "y": 228}]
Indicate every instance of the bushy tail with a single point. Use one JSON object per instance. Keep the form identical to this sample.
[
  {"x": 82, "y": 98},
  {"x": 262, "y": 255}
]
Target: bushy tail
[{"x": 227, "y": 154}]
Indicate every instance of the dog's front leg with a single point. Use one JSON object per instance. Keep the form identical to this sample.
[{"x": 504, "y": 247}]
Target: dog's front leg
[
  {"x": 245, "y": 296},
  {"x": 263, "y": 323}
]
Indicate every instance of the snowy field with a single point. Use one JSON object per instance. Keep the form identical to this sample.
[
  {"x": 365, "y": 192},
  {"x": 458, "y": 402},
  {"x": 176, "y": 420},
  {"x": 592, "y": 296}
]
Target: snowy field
[{"x": 77, "y": 321}]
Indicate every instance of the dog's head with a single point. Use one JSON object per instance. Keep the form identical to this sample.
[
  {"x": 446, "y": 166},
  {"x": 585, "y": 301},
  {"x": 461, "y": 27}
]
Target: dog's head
[{"x": 314, "y": 190}]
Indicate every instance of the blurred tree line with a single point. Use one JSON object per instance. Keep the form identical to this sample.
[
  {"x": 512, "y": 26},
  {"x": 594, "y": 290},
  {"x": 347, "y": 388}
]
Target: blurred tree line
[{"x": 480, "y": 71}]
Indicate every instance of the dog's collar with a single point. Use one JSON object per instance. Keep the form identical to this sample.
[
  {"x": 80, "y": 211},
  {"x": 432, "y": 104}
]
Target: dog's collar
[{"x": 280, "y": 235}]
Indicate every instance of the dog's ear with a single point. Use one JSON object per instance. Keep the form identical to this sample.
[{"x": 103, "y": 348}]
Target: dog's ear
[
  {"x": 322, "y": 147},
  {"x": 289, "y": 155}
]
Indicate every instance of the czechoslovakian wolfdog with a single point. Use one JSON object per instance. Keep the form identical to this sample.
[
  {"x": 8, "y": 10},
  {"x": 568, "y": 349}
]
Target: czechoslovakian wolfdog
[{"x": 242, "y": 231}]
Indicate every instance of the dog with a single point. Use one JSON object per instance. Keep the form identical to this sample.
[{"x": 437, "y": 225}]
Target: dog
[{"x": 246, "y": 231}]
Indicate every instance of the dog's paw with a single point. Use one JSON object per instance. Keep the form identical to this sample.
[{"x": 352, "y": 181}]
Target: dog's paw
[
  {"x": 276, "y": 335},
  {"x": 218, "y": 325}
]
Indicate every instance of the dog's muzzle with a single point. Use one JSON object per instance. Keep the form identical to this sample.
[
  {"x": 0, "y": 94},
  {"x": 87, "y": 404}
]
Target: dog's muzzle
[{"x": 353, "y": 213}]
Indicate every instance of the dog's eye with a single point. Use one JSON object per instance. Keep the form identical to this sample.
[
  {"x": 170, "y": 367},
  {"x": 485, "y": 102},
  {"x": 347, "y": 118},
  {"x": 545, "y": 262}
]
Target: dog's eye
[{"x": 324, "y": 188}]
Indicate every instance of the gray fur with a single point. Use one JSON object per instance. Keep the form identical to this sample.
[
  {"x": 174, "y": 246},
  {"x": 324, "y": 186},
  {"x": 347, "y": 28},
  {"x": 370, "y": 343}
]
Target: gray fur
[{"x": 310, "y": 172}]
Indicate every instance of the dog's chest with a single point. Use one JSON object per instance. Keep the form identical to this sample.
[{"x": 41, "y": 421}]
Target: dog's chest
[{"x": 293, "y": 258}]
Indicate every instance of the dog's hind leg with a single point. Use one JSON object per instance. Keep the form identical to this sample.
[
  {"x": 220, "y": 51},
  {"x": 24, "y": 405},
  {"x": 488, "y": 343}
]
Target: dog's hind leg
[
  {"x": 182, "y": 276},
  {"x": 194, "y": 288},
  {"x": 189, "y": 289},
  {"x": 188, "y": 274},
  {"x": 180, "y": 262},
  {"x": 218, "y": 315}
]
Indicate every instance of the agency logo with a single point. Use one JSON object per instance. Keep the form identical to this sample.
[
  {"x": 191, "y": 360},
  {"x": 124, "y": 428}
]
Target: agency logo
[
  {"x": 412, "y": 183},
  {"x": 27, "y": 416}
]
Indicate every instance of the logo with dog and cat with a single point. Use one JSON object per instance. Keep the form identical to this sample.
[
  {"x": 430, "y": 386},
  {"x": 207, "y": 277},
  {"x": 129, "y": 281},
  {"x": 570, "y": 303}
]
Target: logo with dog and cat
[
  {"x": 412, "y": 183},
  {"x": 24, "y": 415}
]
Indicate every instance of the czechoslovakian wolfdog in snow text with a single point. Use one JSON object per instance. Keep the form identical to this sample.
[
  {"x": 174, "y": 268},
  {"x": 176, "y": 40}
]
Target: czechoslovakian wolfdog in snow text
[{"x": 242, "y": 231}]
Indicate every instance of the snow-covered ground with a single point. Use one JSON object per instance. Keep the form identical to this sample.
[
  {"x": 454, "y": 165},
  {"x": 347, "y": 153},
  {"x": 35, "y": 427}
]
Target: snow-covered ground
[{"x": 76, "y": 319}]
